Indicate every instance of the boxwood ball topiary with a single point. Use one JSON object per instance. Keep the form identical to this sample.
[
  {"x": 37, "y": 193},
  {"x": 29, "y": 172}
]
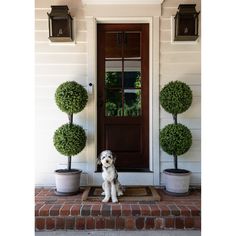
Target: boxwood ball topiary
[
  {"x": 175, "y": 139},
  {"x": 71, "y": 97},
  {"x": 176, "y": 97},
  {"x": 69, "y": 139}
]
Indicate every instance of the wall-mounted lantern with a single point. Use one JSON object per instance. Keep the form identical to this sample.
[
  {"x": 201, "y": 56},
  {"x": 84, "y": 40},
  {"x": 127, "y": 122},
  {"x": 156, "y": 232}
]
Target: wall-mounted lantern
[
  {"x": 186, "y": 23},
  {"x": 60, "y": 24}
]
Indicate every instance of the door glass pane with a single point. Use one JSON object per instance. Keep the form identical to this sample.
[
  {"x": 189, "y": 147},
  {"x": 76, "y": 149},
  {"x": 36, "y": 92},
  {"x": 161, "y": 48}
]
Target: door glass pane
[
  {"x": 132, "y": 45},
  {"x": 132, "y": 102},
  {"x": 132, "y": 74},
  {"x": 113, "y": 105},
  {"x": 113, "y": 76},
  {"x": 113, "y": 42}
]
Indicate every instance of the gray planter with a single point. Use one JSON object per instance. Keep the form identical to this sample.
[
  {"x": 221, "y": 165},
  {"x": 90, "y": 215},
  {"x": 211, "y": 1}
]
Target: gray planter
[
  {"x": 67, "y": 182},
  {"x": 177, "y": 183}
]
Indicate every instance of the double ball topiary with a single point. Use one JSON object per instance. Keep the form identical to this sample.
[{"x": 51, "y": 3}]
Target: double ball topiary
[
  {"x": 176, "y": 97},
  {"x": 69, "y": 139},
  {"x": 175, "y": 139},
  {"x": 71, "y": 97}
]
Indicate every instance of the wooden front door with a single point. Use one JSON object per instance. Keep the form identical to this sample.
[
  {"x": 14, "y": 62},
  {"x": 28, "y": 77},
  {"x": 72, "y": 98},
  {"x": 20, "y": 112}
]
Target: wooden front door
[{"x": 123, "y": 94}]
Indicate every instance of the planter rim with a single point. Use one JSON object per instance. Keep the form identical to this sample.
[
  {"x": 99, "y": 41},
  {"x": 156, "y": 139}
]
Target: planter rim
[
  {"x": 177, "y": 174},
  {"x": 66, "y": 172}
]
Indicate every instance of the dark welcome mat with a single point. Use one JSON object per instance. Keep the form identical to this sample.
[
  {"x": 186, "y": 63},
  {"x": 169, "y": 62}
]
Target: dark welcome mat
[{"x": 131, "y": 193}]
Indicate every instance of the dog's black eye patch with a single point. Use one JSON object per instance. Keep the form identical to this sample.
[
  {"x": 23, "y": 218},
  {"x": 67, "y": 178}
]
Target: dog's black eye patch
[
  {"x": 103, "y": 157},
  {"x": 109, "y": 157}
]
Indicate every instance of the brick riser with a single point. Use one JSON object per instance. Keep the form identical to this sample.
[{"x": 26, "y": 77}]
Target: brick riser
[{"x": 115, "y": 216}]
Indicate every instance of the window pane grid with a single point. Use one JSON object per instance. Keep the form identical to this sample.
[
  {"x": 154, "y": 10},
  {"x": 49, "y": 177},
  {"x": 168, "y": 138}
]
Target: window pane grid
[{"x": 123, "y": 75}]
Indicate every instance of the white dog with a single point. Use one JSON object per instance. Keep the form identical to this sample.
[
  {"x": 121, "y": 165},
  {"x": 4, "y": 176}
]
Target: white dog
[{"x": 111, "y": 185}]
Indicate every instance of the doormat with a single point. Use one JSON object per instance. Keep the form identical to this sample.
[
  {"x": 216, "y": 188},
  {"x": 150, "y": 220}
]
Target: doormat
[{"x": 131, "y": 193}]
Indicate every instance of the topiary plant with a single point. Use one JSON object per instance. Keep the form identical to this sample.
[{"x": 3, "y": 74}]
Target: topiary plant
[
  {"x": 70, "y": 139},
  {"x": 176, "y": 98},
  {"x": 175, "y": 139},
  {"x": 71, "y": 97}
]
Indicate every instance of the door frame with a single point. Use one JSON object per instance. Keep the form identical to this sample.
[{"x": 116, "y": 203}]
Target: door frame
[{"x": 142, "y": 178}]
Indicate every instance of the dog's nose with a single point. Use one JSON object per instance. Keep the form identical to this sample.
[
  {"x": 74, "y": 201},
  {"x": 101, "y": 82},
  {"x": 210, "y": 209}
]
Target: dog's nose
[{"x": 107, "y": 161}]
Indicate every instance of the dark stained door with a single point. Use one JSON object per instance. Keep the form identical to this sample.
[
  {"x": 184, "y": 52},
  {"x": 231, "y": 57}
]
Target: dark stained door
[{"x": 123, "y": 94}]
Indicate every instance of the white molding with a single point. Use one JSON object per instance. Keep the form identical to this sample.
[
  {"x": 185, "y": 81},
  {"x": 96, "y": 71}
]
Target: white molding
[
  {"x": 155, "y": 98},
  {"x": 147, "y": 178},
  {"x": 107, "y": 20},
  {"x": 92, "y": 78},
  {"x": 118, "y": 2}
]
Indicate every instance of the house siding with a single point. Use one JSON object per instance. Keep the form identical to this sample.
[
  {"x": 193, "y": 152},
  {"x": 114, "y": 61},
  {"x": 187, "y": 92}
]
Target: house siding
[
  {"x": 181, "y": 61},
  {"x": 55, "y": 64}
]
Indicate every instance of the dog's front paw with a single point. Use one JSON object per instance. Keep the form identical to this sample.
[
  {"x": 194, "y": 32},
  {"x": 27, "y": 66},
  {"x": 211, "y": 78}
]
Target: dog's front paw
[
  {"x": 120, "y": 194},
  {"x": 114, "y": 200},
  {"x": 103, "y": 193},
  {"x": 105, "y": 200}
]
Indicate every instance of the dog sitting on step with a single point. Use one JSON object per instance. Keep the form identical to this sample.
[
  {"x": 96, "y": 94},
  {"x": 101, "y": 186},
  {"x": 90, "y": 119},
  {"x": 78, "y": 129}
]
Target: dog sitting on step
[{"x": 111, "y": 185}]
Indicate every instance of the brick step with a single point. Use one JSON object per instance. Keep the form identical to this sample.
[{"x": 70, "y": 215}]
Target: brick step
[{"x": 54, "y": 213}]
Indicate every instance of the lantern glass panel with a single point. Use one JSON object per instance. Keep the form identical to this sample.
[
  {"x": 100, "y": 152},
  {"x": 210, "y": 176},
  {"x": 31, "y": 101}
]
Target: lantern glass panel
[
  {"x": 186, "y": 25},
  {"x": 60, "y": 28}
]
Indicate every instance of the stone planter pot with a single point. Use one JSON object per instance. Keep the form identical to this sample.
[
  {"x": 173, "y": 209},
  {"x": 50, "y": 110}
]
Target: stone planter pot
[
  {"x": 67, "y": 182},
  {"x": 177, "y": 183}
]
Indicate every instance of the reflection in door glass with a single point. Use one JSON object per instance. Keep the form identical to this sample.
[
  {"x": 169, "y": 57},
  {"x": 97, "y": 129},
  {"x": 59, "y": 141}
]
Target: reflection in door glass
[
  {"x": 132, "y": 45},
  {"x": 113, "y": 76},
  {"x": 132, "y": 102},
  {"x": 113, "y": 106},
  {"x": 113, "y": 41},
  {"x": 132, "y": 74}
]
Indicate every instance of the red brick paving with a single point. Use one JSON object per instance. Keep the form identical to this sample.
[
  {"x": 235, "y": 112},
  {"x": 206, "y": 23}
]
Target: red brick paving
[{"x": 59, "y": 212}]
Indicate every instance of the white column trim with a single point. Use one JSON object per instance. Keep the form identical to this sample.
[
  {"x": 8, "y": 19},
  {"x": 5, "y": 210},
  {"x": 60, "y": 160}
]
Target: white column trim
[{"x": 147, "y": 178}]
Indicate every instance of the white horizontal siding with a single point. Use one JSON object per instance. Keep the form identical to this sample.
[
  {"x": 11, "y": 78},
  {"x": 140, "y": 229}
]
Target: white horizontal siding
[
  {"x": 167, "y": 47},
  {"x": 189, "y": 78},
  {"x": 181, "y": 62},
  {"x": 42, "y": 36},
  {"x": 62, "y": 69},
  {"x": 45, "y": 47},
  {"x": 180, "y": 57},
  {"x": 42, "y": 25},
  {"x": 50, "y": 82},
  {"x": 55, "y": 64},
  {"x": 61, "y": 58}
]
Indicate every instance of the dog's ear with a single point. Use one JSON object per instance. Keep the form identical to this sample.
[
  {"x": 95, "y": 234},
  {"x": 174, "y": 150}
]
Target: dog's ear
[{"x": 99, "y": 159}]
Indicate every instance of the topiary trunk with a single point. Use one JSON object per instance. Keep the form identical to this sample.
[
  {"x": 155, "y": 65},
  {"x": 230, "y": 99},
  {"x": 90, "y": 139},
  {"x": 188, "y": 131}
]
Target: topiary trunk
[
  {"x": 176, "y": 161},
  {"x": 70, "y": 116},
  {"x": 175, "y": 156}
]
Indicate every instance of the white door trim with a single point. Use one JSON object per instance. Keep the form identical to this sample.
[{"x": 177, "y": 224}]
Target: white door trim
[{"x": 132, "y": 178}]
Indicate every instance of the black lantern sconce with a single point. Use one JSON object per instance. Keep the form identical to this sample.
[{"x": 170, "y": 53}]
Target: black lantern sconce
[
  {"x": 60, "y": 24},
  {"x": 186, "y": 23}
]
